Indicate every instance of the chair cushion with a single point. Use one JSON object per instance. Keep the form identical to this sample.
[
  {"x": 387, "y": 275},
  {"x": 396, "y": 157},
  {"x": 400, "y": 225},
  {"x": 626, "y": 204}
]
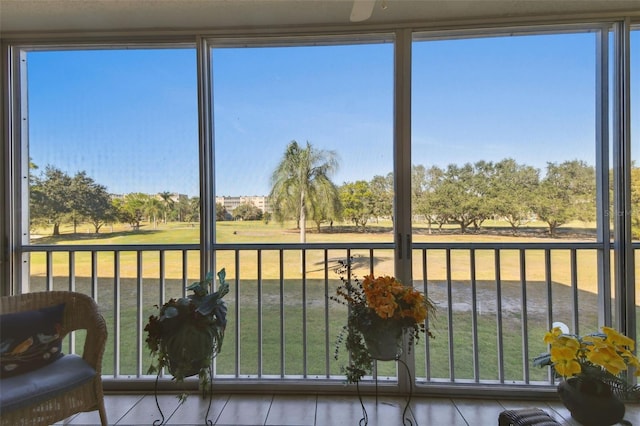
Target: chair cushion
[
  {"x": 38, "y": 385},
  {"x": 30, "y": 339}
]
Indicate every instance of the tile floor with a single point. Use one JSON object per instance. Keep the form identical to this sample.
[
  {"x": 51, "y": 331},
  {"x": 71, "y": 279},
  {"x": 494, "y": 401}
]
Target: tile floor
[{"x": 316, "y": 410}]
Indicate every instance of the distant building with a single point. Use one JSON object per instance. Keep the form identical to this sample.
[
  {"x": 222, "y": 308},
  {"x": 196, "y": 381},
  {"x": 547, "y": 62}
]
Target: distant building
[{"x": 230, "y": 203}]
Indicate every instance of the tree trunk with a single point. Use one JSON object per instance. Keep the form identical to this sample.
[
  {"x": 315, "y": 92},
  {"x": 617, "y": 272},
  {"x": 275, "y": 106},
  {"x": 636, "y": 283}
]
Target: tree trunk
[
  {"x": 303, "y": 220},
  {"x": 56, "y": 228}
]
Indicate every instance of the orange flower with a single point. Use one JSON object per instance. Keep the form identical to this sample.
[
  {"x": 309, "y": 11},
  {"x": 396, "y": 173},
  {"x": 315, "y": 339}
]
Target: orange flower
[{"x": 390, "y": 299}]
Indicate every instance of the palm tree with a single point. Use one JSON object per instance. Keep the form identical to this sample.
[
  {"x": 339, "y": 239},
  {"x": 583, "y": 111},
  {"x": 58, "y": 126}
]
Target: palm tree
[
  {"x": 302, "y": 181},
  {"x": 152, "y": 208},
  {"x": 167, "y": 203}
]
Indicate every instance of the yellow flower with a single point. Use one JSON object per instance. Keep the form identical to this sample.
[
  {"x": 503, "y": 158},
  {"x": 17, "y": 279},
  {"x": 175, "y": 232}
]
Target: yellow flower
[
  {"x": 562, "y": 353},
  {"x": 567, "y": 341},
  {"x": 552, "y": 335},
  {"x": 568, "y": 368},
  {"x": 632, "y": 361},
  {"x": 596, "y": 341},
  {"x": 595, "y": 356},
  {"x": 564, "y": 361},
  {"x": 608, "y": 358},
  {"x": 618, "y": 339}
]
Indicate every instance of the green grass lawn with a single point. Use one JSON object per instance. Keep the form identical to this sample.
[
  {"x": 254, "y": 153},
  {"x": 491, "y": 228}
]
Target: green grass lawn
[{"x": 286, "y": 302}]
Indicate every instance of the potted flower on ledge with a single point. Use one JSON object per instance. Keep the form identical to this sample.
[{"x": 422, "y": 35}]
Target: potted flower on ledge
[
  {"x": 593, "y": 368},
  {"x": 188, "y": 332},
  {"x": 381, "y": 311}
]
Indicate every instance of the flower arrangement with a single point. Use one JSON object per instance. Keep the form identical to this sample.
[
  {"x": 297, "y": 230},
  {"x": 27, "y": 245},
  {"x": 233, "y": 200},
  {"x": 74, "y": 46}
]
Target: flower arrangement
[
  {"x": 188, "y": 332},
  {"x": 596, "y": 360},
  {"x": 376, "y": 305}
]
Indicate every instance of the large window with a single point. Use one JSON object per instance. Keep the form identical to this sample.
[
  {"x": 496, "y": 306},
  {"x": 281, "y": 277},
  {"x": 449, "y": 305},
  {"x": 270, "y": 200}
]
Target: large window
[
  {"x": 113, "y": 150},
  {"x": 300, "y": 132},
  {"x": 635, "y": 154},
  {"x": 508, "y": 151},
  {"x": 503, "y": 151},
  {"x": 276, "y": 106},
  {"x": 113, "y": 145}
]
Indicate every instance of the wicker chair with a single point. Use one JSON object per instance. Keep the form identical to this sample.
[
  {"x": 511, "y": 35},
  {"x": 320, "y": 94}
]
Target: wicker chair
[{"x": 80, "y": 313}]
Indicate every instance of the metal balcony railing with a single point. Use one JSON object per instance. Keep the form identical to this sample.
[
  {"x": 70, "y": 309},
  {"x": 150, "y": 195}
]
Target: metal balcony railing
[{"x": 495, "y": 302}]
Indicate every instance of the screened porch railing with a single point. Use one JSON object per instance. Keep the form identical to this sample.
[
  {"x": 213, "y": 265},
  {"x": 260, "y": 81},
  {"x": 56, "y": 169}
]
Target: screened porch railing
[{"x": 495, "y": 302}]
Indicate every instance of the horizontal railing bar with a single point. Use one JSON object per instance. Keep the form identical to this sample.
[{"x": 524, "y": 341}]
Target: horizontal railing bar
[
  {"x": 108, "y": 247},
  {"x": 582, "y": 245}
]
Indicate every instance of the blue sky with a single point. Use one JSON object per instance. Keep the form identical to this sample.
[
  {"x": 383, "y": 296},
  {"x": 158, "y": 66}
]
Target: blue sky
[{"x": 129, "y": 117}]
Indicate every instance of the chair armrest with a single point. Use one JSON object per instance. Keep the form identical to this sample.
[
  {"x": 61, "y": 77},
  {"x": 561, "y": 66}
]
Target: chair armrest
[{"x": 80, "y": 313}]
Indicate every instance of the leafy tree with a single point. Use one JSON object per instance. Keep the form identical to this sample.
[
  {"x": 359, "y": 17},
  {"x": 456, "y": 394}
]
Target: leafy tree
[
  {"x": 326, "y": 207},
  {"x": 424, "y": 201},
  {"x": 382, "y": 193},
  {"x": 635, "y": 202},
  {"x": 90, "y": 201},
  {"x": 266, "y": 217},
  {"x": 132, "y": 208},
  {"x": 512, "y": 190},
  {"x": 182, "y": 208},
  {"x": 167, "y": 204},
  {"x": 482, "y": 183},
  {"x": 300, "y": 181},
  {"x": 567, "y": 192},
  {"x": 221, "y": 212},
  {"x": 49, "y": 199},
  {"x": 357, "y": 202},
  {"x": 194, "y": 210},
  {"x": 32, "y": 168},
  {"x": 458, "y": 196},
  {"x": 153, "y": 208},
  {"x": 247, "y": 211},
  {"x": 55, "y": 197}
]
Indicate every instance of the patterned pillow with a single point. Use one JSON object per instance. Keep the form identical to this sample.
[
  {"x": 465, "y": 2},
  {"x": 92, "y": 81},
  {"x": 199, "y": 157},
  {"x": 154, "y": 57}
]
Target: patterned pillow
[{"x": 30, "y": 339}]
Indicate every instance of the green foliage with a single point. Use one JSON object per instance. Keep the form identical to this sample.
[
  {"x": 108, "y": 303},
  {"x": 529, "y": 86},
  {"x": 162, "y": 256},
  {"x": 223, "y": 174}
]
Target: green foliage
[
  {"x": 635, "y": 202},
  {"x": 49, "y": 201},
  {"x": 382, "y": 195},
  {"x": 512, "y": 188},
  {"x": 459, "y": 196},
  {"x": 357, "y": 202},
  {"x": 567, "y": 192},
  {"x": 247, "y": 211},
  {"x": 465, "y": 195},
  {"x": 301, "y": 185},
  {"x": 132, "y": 208},
  {"x": 91, "y": 201},
  {"x": 221, "y": 212},
  {"x": 377, "y": 305},
  {"x": 56, "y": 197},
  {"x": 188, "y": 332}
]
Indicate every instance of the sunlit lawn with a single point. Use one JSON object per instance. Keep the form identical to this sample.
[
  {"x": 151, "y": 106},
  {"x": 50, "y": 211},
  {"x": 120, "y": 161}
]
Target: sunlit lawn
[{"x": 284, "y": 300}]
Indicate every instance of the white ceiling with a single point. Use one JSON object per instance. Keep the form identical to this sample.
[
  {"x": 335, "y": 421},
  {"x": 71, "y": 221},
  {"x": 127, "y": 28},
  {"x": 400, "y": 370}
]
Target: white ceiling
[{"x": 108, "y": 15}]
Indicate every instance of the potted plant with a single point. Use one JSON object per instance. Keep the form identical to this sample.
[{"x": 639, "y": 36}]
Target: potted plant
[
  {"x": 381, "y": 311},
  {"x": 593, "y": 368},
  {"x": 188, "y": 332}
]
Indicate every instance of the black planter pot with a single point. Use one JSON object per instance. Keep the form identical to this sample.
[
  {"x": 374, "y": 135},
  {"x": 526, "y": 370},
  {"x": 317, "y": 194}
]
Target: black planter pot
[
  {"x": 591, "y": 408},
  {"x": 189, "y": 350},
  {"x": 384, "y": 343}
]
